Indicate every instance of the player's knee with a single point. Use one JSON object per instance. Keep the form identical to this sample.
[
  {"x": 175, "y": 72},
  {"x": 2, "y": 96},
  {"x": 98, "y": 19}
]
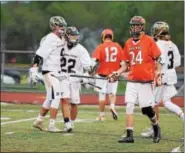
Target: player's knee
[
  {"x": 129, "y": 108},
  {"x": 65, "y": 101},
  {"x": 111, "y": 95},
  {"x": 148, "y": 111},
  {"x": 46, "y": 104},
  {"x": 101, "y": 96},
  {"x": 55, "y": 103}
]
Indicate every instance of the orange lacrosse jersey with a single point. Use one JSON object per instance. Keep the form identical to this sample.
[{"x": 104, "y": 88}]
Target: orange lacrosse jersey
[
  {"x": 141, "y": 56},
  {"x": 109, "y": 56}
]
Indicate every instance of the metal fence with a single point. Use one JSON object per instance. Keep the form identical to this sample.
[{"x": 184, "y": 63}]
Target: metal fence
[{"x": 16, "y": 63}]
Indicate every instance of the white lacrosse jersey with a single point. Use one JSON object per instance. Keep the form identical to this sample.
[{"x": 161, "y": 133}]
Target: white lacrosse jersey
[
  {"x": 75, "y": 60},
  {"x": 50, "y": 50},
  {"x": 172, "y": 60}
]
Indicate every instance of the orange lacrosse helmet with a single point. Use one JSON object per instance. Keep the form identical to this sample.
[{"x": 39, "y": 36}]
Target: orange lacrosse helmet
[{"x": 107, "y": 32}]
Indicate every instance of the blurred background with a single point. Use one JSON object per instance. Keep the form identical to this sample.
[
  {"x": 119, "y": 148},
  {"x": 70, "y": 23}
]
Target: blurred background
[{"x": 23, "y": 24}]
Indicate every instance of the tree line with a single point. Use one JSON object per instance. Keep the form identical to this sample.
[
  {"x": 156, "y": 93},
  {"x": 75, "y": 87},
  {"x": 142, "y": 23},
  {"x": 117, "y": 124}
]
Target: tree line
[{"x": 23, "y": 24}]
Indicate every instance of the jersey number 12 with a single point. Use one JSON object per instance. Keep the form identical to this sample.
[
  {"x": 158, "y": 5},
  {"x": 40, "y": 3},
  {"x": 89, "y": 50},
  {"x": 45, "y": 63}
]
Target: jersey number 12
[{"x": 111, "y": 54}]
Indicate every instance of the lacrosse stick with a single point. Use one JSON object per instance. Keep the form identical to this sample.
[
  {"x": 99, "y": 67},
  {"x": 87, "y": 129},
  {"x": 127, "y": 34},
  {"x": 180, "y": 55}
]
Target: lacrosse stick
[
  {"x": 177, "y": 149},
  {"x": 91, "y": 85},
  {"x": 92, "y": 77},
  {"x": 94, "y": 85}
]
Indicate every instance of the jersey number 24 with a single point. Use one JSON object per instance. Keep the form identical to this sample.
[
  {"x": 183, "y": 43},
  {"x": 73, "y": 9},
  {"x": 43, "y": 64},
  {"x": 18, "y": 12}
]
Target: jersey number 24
[{"x": 136, "y": 58}]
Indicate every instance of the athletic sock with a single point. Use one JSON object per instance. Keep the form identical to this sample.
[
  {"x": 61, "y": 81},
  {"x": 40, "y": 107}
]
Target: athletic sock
[
  {"x": 112, "y": 106},
  {"x": 66, "y": 119},
  {"x": 52, "y": 122},
  {"x": 40, "y": 118},
  {"x": 102, "y": 113},
  {"x": 172, "y": 107},
  {"x": 181, "y": 115}
]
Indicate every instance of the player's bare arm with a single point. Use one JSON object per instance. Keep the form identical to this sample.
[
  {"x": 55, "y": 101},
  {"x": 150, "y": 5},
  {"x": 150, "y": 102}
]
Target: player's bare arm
[{"x": 114, "y": 76}]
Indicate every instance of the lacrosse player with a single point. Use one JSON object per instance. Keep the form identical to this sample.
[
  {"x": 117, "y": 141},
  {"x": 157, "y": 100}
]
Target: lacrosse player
[
  {"x": 75, "y": 60},
  {"x": 49, "y": 52},
  {"x": 164, "y": 93},
  {"x": 108, "y": 57},
  {"x": 140, "y": 54}
]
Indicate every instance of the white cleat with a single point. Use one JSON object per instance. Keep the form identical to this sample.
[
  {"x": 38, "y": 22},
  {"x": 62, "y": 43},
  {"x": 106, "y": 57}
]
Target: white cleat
[
  {"x": 39, "y": 125},
  {"x": 68, "y": 127},
  {"x": 52, "y": 128},
  {"x": 177, "y": 149},
  {"x": 148, "y": 134}
]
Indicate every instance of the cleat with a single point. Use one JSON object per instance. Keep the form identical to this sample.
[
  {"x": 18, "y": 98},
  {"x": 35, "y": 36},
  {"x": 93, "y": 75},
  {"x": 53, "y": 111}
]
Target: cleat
[
  {"x": 148, "y": 134},
  {"x": 129, "y": 137},
  {"x": 53, "y": 129},
  {"x": 39, "y": 125},
  {"x": 177, "y": 149},
  {"x": 68, "y": 127},
  {"x": 100, "y": 118},
  {"x": 114, "y": 113},
  {"x": 157, "y": 133},
  {"x": 126, "y": 140}
]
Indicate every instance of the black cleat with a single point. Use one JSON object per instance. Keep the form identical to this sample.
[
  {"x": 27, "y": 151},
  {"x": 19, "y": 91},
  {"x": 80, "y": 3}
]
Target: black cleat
[
  {"x": 114, "y": 114},
  {"x": 129, "y": 138},
  {"x": 157, "y": 133},
  {"x": 126, "y": 140}
]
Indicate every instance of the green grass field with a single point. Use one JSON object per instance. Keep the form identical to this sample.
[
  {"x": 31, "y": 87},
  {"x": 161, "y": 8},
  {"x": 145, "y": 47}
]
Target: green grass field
[{"x": 88, "y": 135}]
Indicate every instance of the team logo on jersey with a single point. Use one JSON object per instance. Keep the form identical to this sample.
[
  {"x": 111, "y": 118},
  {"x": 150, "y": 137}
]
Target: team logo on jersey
[{"x": 134, "y": 48}]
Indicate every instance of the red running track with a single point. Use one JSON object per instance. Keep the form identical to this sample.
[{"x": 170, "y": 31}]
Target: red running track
[{"x": 86, "y": 99}]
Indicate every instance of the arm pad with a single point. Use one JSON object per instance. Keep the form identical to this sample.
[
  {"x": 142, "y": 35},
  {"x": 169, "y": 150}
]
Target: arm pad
[{"x": 37, "y": 59}]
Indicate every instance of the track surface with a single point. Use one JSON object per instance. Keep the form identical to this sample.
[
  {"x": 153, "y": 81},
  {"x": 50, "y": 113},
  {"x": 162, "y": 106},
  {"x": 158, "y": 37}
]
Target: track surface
[{"x": 87, "y": 99}]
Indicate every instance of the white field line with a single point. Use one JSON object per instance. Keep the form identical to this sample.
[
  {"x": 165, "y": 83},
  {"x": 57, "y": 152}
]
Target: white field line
[
  {"x": 30, "y": 119},
  {"x": 18, "y": 121}
]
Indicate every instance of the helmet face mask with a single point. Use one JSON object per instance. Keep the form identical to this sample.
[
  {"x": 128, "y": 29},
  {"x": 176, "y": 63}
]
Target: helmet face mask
[
  {"x": 160, "y": 30},
  {"x": 58, "y": 24},
  {"x": 72, "y": 36},
  {"x": 137, "y": 25}
]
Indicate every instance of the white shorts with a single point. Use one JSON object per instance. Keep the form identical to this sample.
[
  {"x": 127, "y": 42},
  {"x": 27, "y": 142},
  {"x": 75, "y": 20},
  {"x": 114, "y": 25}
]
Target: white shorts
[
  {"x": 107, "y": 87},
  {"x": 139, "y": 93},
  {"x": 53, "y": 86},
  {"x": 164, "y": 93},
  {"x": 71, "y": 90}
]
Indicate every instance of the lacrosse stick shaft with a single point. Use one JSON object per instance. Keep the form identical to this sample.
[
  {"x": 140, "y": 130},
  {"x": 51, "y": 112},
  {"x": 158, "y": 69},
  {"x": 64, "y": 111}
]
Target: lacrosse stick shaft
[
  {"x": 94, "y": 85},
  {"x": 91, "y": 77}
]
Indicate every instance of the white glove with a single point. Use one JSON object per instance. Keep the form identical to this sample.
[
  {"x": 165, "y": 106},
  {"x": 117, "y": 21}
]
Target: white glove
[
  {"x": 33, "y": 72},
  {"x": 85, "y": 81}
]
